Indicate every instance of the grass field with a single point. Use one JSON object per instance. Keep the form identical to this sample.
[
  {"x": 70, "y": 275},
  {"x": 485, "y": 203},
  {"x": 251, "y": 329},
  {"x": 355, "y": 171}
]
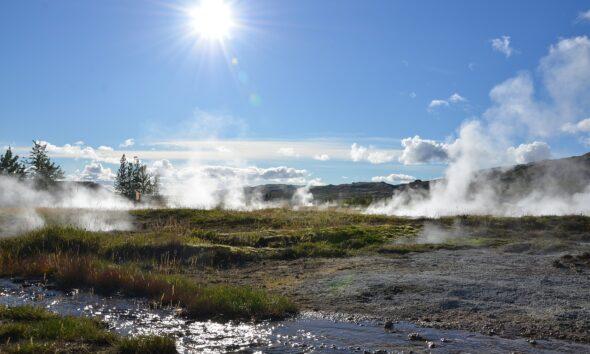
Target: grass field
[{"x": 161, "y": 258}]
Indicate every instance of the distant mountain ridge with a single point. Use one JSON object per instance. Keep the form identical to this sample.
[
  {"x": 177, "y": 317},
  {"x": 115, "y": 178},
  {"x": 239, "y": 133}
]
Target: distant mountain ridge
[{"x": 566, "y": 175}]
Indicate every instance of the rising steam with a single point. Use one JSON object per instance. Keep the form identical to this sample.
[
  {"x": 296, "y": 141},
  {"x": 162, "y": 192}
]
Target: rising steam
[{"x": 516, "y": 112}]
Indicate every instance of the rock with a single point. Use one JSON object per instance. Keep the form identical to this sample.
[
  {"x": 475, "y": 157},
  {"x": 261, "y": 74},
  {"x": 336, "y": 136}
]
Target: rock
[
  {"x": 532, "y": 341},
  {"x": 444, "y": 340},
  {"x": 388, "y": 325},
  {"x": 430, "y": 345},
  {"x": 415, "y": 336}
]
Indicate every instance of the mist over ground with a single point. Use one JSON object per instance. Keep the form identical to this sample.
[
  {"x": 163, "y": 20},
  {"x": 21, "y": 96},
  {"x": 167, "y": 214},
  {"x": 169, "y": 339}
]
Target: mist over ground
[{"x": 468, "y": 186}]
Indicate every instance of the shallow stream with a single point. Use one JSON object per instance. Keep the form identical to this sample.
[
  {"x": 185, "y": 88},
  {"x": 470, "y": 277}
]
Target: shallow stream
[{"x": 311, "y": 332}]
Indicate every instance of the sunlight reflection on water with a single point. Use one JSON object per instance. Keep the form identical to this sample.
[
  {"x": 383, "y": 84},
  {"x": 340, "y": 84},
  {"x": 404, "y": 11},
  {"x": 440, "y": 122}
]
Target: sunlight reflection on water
[{"x": 312, "y": 332}]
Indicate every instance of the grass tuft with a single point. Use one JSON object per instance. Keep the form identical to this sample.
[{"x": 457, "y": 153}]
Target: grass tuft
[{"x": 147, "y": 345}]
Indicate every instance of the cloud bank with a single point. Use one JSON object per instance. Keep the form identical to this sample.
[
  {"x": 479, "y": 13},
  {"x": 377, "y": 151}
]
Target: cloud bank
[
  {"x": 394, "y": 178},
  {"x": 371, "y": 154}
]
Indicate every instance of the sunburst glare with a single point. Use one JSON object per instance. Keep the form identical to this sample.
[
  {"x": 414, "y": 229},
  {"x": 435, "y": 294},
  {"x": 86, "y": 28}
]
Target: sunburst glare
[{"x": 212, "y": 19}]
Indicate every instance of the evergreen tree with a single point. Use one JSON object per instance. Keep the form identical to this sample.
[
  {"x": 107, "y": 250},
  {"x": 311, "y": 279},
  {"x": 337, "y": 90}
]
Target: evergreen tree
[
  {"x": 122, "y": 180},
  {"x": 133, "y": 178},
  {"x": 43, "y": 172},
  {"x": 142, "y": 180},
  {"x": 9, "y": 165}
]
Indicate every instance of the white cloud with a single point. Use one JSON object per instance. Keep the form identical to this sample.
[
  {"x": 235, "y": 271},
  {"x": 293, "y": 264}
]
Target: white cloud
[
  {"x": 455, "y": 98},
  {"x": 287, "y": 151},
  {"x": 105, "y": 148},
  {"x": 502, "y": 45},
  {"x": 80, "y": 152},
  {"x": 246, "y": 175},
  {"x": 418, "y": 151},
  {"x": 438, "y": 103},
  {"x": 321, "y": 157},
  {"x": 394, "y": 178},
  {"x": 223, "y": 149},
  {"x": 584, "y": 16},
  {"x": 96, "y": 172},
  {"x": 76, "y": 151},
  {"x": 371, "y": 154},
  {"x": 249, "y": 150},
  {"x": 358, "y": 152},
  {"x": 534, "y": 151},
  {"x": 79, "y": 142},
  {"x": 279, "y": 174},
  {"x": 582, "y": 126},
  {"x": 207, "y": 150},
  {"x": 127, "y": 143}
]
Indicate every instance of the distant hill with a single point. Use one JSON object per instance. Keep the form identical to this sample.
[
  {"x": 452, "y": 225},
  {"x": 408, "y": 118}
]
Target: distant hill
[
  {"x": 560, "y": 176},
  {"x": 567, "y": 175},
  {"x": 359, "y": 193}
]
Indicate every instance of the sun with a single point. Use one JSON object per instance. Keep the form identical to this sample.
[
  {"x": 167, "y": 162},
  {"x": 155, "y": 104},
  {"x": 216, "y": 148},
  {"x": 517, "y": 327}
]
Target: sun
[{"x": 212, "y": 19}]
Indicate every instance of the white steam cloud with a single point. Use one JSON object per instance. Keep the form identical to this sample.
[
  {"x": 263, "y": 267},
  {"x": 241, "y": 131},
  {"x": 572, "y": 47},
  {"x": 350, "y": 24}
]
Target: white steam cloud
[
  {"x": 480, "y": 144},
  {"x": 94, "y": 207},
  {"x": 207, "y": 187},
  {"x": 89, "y": 208}
]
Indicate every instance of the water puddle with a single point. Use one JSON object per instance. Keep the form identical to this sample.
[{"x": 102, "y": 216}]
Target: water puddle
[{"x": 311, "y": 332}]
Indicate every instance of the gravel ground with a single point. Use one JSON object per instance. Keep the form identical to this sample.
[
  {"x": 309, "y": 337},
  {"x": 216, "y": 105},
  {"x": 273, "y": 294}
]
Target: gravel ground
[{"x": 484, "y": 290}]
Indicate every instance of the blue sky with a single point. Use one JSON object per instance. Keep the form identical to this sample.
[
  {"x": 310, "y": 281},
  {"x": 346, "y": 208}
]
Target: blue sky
[{"x": 296, "y": 84}]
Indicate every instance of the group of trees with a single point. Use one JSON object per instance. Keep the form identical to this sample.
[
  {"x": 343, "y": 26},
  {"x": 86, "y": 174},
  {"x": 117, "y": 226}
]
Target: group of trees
[
  {"x": 39, "y": 168},
  {"x": 133, "y": 180}
]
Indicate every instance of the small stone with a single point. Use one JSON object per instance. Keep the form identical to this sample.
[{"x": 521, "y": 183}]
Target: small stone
[
  {"x": 388, "y": 325},
  {"x": 415, "y": 336},
  {"x": 430, "y": 345},
  {"x": 532, "y": 341},
  {"x": 444, "y": 340}
]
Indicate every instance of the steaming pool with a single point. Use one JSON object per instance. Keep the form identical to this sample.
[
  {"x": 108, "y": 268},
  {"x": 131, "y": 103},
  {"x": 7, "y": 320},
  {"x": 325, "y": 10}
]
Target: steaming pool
[{"x": 311, "y": 332}]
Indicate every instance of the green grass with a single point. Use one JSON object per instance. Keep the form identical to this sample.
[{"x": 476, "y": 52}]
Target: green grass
[
  {"x": 28, "y": 329},
  {"x": 277, "y": 219},
  {"x": 221, "y": 302},
  {"x": 170, "y": 245},
  {"x": 147, "y": 345}
]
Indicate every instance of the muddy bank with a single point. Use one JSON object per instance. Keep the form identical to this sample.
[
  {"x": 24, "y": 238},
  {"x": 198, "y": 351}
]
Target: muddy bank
[{"x": 490, "y": 291}]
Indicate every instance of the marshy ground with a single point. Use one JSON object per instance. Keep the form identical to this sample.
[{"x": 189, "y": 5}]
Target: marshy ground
[{"x": 509, "y": 277}]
